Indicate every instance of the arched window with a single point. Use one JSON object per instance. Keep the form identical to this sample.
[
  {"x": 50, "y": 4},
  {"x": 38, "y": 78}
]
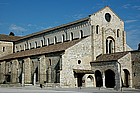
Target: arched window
[
  {"x": 48, "y": 41},
  {"x": 110, "y": 45},
  {"x": 81, "y": 34},
  {"x": 118, "y": 33},
  {"x": 26, "y": 47},
  {"x": 44, "y": 40},
  {"x": 50, "y": 62},
  {"x": 35, "y": 44},
  {"x": 71, "y": 36},
  {"x": 97, "y": 29},
  {"x": 126, "y": 78},
  {"x": 30, "y": 46},
  {"x": 42, "y": 44},
  {"x": 63, "y": 38}
]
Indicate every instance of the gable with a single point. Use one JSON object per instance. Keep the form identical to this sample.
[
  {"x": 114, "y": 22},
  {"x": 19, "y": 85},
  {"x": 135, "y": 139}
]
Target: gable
[{"x": 106, "y": 18}]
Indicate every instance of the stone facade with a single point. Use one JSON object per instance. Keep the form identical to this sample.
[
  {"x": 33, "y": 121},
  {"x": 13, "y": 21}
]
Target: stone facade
[
  {"x": 90, "y": 52},
  {"x": 6, "y": 48}
]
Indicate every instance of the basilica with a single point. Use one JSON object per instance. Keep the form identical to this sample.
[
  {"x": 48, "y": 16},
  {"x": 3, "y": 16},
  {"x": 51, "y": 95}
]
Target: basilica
[{"x": 90, "y": 52}]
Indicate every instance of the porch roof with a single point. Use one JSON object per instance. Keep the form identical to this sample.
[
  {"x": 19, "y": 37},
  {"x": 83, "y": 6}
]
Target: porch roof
[
  {"x": 110, "y": 57},
  {"x": 83, "y": 71}
]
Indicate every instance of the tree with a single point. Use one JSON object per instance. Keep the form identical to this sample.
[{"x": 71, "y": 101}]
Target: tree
[{"x": 12, "y": 34}]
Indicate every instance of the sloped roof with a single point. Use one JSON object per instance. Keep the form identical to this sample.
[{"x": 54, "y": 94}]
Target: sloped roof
[
  {"x": 83, "y": 71},
  {"x": 110, "y": 57},
  {"x": 8, "y": 38},
  {"x": 55, "y": 28},
  {"x": 43, "y": 50}
]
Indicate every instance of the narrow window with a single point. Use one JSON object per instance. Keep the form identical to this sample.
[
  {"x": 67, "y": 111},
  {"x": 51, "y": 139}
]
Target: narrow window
[
  {"x": 97, "y": 29},
  {"x": 55, "y": 40},
  {"x": 50, "y": 63},
  {"x": 71, "y": 36},
  {"x": 63, "y": 38},
  {"x": 110, "y": 46},
  {"x": 107, "y": 46},
  {"x": 118, "y": 33},
  {"x": 3, "y": 49},
  {"x": 42, "y": 43},
  {"x": 35, "y": 44},
  {"x": 48, "y": 41},
  {"x": 26, "y": 47},
  {"x": 30, "y": 45},
  {"x": 81, "y": 34}
]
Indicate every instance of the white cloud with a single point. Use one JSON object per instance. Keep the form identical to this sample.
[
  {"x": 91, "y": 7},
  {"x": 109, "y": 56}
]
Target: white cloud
[
  {"x": 17, "y": 29},
  {"x": 131, "y": 21},
  {"x": 129, "y": 6},
  {"x": 78, "y": 16},
  {"x": 126, "y": 6}
]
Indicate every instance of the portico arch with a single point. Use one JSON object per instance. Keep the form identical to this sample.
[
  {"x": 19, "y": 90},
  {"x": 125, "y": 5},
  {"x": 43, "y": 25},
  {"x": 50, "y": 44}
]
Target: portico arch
[
  {"x": 126, "y": 78},
  {"x": 98, "y": 78},
  {"x": 109, "y": 78}
]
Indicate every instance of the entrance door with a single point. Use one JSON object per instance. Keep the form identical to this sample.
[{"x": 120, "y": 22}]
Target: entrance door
[{"x": 79, "y": 79}]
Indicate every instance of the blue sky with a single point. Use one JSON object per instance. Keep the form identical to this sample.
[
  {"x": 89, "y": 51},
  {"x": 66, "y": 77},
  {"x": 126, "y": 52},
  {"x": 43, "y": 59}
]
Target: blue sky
[{"x": 25, "y": 17}]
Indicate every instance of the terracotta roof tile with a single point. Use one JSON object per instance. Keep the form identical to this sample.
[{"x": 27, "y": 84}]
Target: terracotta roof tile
[
  {"x": 83, "y": 71},
  {"x": 8, "y": 38},
  {"x": 111, "y": 57},
  {"x": 55, "y": 28},
  {"x": 43, "y": 50}
]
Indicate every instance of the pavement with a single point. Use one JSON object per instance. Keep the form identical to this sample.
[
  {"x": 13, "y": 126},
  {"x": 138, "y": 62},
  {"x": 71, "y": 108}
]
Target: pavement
[{"x": 37, "y": 89}]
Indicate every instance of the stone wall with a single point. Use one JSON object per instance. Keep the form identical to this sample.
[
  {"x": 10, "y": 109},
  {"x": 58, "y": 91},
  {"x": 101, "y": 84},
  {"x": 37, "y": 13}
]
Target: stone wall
[
  {"x": 76, "y": 57},
  {"x": 103, "y": 29},
  {"x": 67, "y": 33},
  {"x": 104, "y": 66},
  {"x": 136, "y": 69},
  {"x": 126, "y": 64},
  {"x": 6, "y": 48}
]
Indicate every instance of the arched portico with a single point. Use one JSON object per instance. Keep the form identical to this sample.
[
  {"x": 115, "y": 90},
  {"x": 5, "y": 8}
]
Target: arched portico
[
  {"x": 109, "y": 78},
  {"x": 126, "y": 80},
  {"x": 98, "y": 78}
]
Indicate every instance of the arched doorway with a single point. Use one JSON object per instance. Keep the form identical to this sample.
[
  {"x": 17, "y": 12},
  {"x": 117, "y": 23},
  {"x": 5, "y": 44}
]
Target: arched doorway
[
  {"x": 90, "y": 81},
  {"x": 126, "y": 78},
  {"x": 109, "y": 79},
  {"x": 98, "y": 77}
]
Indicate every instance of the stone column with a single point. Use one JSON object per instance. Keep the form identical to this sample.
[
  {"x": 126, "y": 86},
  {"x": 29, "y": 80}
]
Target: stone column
[
  {"x": 14, "y": 71},
  {"x": 34, "y": 80},
  {"x": 42, "y": 69},
  {"x": 22, "y": 82},
  {"x": 103, "y": 75},
  {"x": 27, "y": 71},
  {"x": 118, "y": 82},
  {"x": 3, "y": 71},
  {"x": 49, "y": 75}
]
